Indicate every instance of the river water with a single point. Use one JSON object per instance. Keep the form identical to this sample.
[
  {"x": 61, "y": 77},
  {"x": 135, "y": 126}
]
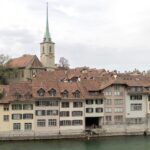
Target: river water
[{"x": 105, "y": 143}]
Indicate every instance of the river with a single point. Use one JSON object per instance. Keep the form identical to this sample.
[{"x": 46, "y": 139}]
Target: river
[{"x": 105, "y": 143}]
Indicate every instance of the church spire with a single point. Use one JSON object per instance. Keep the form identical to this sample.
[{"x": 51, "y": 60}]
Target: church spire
[{"x": 47, "y": 37}]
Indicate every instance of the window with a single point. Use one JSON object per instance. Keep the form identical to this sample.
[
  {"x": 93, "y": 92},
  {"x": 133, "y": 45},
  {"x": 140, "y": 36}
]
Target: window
[
  {"x": 41, "y": 92},
  {"x": 27, "y": 116},
  {"x": 16, "y": 107},
  {"x": 64, "y": 113},
  {"x": 52, "y": 92},
  {"x": 46, "y": 103},
  {"x": 99, "y": 110},
  {"x": 52, "y": 112},
  {"x": 89, "y": 102},
  {"x": 76, "y": 94},
  {"x": 65, "y": 104},
  {"x": 6, "y": 107},
  {"x": 16, "y": 116},
  {"x": 108, "y": 118},
  {"x": 65, "y": 123},
  {"x": 50, "y": 49},
  {"x": 89, "y": 110},
  {"x": 108, "y": 101},
  {"x": 136, "y": 107},
  {"x": 52, "y": 122},
  {"x": 148, "y": 97},
  {"x": 118, "y": 101},
  {"x": 43, "y": 49},
  {"x": 77, "y": 104},
  {"x": 22, "y": 73},
  {"x": 6, "y": 117},
  {"x": 107, "y": 93},
  {"x": 40, "y": 113},
  {"x": 118, "y": 110},
  {"x": 41, "y": 122},
  {"x": 98, "y": 101},
  {"x": 116, "y": 93},
  {"x": 76, "y": 122},
  {"x": 118, "y": 119},
  {"x": 116, "y": 87},
  {"x": 136, "y": 97},
  {"x": 28, "y": 126},
  {"x": 16, "y": 126},
  {"x": 77, "y": 113},
  {"x": 135, "y": 121},
  {"x": 41, "y": 103},
  {"x": 65, "y": 94},
  {"x": 108, "y": 110},
  {"x": 53, "y": 103},
  {"x": 136, "y": 89},
  {"x": 27, "y": 106}
]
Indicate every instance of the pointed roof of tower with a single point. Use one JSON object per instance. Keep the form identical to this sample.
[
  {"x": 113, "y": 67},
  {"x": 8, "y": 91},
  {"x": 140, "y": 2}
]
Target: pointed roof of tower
[{"x": 47, "y": 37}]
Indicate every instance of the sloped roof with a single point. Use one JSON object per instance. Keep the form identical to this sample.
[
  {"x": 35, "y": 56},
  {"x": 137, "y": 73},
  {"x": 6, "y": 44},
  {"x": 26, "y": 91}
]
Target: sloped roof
[{"x": 24, "y": 61}]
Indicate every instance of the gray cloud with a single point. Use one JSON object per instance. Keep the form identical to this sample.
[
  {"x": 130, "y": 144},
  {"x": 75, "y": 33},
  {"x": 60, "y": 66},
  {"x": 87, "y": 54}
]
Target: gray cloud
[{"x": 98, "y": 33}]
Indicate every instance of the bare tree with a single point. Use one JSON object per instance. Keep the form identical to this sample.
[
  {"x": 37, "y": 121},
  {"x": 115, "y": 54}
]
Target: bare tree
[
  {"x": 63, "y": 62},
  {"x": 3, "y": 59}
]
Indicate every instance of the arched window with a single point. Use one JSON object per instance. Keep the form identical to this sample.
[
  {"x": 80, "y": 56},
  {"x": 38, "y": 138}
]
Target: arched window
[
  {"x": 52, "y": 92},
  {"x": 41, "y": 92},
  {"x": 76, "y": 94},
  {"x": 65, "y": 94}
]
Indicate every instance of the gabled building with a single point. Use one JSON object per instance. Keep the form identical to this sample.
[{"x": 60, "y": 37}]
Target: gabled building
[{"x": 26, "y": 67}]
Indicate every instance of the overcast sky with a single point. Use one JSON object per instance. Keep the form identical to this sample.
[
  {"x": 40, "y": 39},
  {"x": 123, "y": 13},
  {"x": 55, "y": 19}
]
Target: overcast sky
[{"x": 110, "y": 34}]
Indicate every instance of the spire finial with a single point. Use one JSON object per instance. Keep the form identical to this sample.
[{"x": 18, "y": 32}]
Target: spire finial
[{"x": 47, "y": 37}]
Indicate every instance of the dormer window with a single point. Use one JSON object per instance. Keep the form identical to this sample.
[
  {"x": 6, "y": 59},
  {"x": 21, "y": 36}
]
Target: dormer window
[
  {"x": 52, "y": 92},
  {"x": 41, "y": 92},
  {"x": 65, "y": 94},
  {"x": 76, "y": 94}
]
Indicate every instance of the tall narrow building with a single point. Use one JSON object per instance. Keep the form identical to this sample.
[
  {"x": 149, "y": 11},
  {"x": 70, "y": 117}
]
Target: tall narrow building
[{"x": 47, "y": 50}]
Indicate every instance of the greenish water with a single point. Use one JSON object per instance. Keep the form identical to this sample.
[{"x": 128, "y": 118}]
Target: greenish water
[{"x": 107, "y": 143}]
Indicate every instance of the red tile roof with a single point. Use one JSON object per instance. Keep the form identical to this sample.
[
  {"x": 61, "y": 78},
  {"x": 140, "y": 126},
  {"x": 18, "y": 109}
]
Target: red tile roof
[{"x": 24, "y": 61}]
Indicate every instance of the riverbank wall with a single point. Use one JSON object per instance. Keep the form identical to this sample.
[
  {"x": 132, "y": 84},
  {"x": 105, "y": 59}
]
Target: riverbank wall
[{"x": 107, "y": 130}]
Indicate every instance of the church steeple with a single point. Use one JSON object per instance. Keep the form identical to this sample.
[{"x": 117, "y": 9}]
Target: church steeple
[
  {"x": 47, "y": 48},
  {"x": 47, "y": 37}
]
